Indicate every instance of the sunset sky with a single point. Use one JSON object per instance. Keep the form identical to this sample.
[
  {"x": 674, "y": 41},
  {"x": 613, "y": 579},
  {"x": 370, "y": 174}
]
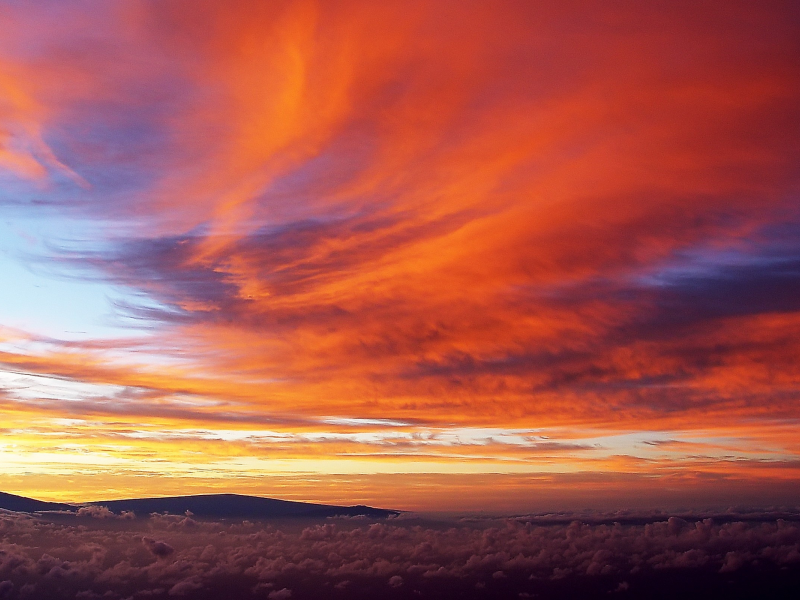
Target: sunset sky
[{"x": 427, "y": 255}]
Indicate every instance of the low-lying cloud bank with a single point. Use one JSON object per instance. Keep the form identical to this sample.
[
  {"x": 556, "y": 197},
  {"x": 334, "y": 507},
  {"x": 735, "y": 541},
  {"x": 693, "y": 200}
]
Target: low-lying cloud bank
[{"x": 101, "y": 555}]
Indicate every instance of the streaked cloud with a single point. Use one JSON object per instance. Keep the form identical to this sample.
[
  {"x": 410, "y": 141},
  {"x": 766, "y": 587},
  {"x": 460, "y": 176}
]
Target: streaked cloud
[{"x": 397, "y": 234}]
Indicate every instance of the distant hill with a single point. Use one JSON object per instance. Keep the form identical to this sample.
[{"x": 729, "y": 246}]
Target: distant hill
[
  {"x": 216, "y": 506},
  {"x": 22, "y": 504},
  {"x": 241, "y": 507}
]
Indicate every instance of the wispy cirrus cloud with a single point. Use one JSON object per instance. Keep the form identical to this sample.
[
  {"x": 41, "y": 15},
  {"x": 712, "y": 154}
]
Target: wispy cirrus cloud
[{"x": 446, "y": 216}]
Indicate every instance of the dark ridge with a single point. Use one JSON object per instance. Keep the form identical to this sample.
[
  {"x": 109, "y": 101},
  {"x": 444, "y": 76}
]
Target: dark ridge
[
  {"x": 235, "y": 506},
  {"x": 22, "y": 504},
  {"x": 218, "y": 506}
]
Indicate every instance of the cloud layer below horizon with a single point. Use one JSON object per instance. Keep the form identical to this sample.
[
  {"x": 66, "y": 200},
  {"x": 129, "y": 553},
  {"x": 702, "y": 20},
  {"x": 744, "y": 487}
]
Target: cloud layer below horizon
[{"x": 103, "y": 555}]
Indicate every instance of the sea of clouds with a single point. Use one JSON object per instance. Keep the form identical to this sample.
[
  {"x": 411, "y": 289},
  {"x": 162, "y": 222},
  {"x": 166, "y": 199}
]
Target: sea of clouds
[{"x": 97, "y": 554}]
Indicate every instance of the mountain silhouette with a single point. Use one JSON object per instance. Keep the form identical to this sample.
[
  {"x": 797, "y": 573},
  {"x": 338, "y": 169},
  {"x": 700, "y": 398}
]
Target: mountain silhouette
[
  {"x": 218, "y": 506},
  {"x": 240, "y": 507},
  {"x": 22, "y": 504}
]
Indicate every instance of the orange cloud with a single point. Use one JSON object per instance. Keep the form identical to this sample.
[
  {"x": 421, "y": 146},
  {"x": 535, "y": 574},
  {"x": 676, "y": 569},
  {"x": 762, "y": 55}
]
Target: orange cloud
[{"x": 552, "y": 217}]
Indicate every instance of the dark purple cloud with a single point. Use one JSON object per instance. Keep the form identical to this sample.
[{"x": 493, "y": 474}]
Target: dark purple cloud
[{"x": 537, "y": 556}]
